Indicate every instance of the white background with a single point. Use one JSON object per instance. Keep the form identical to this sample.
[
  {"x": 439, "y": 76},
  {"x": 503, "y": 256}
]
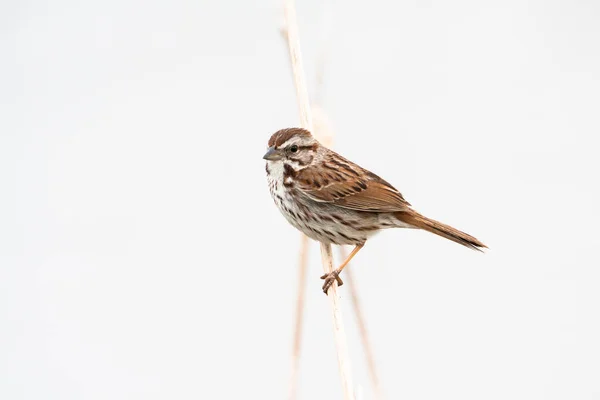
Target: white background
[{"x": 141, "y": 256}]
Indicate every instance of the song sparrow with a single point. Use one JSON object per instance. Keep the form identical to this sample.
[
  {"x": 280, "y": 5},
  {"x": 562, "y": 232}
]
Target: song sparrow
[{"x": 332, "y": 200}]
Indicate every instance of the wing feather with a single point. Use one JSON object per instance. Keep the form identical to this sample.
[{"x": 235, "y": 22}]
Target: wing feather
[{"x": 345, "y": 184}]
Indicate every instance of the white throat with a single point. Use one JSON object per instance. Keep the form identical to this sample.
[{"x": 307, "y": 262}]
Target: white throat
[{"x": 275, "y": 170}]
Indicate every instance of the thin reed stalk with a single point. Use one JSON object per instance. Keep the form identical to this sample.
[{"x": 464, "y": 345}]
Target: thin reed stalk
[
  {"x": 362, "y": 328},
  {"x": 323, "y": 134},
  {"x": 326, "y": 256},
  {"x": 298, "y": 323}
]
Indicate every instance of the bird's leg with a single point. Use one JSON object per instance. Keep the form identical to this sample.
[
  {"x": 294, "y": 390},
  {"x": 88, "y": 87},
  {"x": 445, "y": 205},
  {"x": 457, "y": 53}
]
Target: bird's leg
[{"x": 335, "y": 274}]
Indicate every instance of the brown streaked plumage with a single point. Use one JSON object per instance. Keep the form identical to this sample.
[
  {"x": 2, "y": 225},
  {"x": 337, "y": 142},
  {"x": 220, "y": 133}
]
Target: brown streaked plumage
[{"x": 332, "y": 200}]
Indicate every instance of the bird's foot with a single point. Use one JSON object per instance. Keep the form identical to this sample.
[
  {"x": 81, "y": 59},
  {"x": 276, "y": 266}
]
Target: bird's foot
[{"x": 333, "y": 276}]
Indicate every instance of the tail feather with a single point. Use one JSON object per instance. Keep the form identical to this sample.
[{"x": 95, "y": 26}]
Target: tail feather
[{"x": 419, "y": 221}]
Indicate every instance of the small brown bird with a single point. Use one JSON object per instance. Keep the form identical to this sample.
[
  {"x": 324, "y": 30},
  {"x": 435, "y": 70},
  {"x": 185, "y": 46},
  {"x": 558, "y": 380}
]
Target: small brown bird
[{"x": 332, "y": 200}]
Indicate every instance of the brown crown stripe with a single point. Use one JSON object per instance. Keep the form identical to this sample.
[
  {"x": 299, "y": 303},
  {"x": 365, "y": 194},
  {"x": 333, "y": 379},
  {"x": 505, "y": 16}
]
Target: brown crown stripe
[{"x": 283, "y": 135}]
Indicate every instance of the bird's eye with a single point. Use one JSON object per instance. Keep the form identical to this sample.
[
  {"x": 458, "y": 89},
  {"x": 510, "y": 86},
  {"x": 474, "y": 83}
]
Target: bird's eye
[{"x": 294, "y": 148}]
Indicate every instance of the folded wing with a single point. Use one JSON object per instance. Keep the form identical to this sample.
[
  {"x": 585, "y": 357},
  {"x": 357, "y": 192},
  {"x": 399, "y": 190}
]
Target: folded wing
[{"x": 347, "y": 185}]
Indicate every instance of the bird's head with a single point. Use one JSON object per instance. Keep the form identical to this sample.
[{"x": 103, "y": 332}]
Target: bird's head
[{"x": 295, "y": 147}]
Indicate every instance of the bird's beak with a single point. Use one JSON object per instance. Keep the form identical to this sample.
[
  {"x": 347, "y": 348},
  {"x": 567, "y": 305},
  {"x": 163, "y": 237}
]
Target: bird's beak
[{"x": 273, "y": 154}]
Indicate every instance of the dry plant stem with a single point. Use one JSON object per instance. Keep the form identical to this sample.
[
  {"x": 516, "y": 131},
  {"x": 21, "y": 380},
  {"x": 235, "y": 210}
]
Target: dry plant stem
[
  {"x": 326, "y": 256},
  {"x": 338, "y": 328},
  {"x": 291, "y": 28},
  {"x": 324, "y": 51},
  {"x": 362, "y": 326},
  {"x": 302, "y": 267}
]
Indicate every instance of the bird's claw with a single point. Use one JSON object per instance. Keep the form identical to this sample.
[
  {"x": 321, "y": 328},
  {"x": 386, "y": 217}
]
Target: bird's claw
[{"x": 329, "y": 279}]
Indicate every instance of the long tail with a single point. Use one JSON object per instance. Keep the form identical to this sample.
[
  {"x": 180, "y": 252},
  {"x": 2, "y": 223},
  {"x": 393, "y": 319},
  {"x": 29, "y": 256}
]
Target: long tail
[{"x": 419, "y": 221}]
